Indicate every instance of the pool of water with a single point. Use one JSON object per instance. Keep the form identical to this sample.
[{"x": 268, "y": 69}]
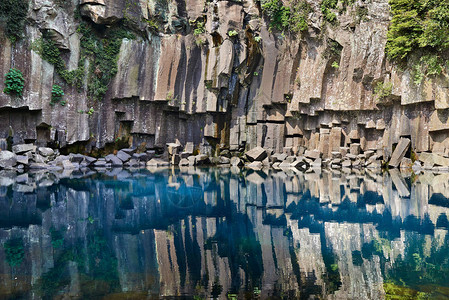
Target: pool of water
[{"x": 200, "y": 233}]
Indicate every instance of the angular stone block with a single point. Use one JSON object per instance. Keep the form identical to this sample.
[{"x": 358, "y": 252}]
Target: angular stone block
[
  {"x": 399, "y": 152},
  {"x": 256, "y": 154}
]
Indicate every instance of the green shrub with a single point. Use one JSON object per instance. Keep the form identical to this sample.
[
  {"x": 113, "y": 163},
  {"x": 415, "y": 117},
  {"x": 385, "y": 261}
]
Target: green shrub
[
  {"x": 335, "y": 65},
  {"x": 383, "y": 90},
  {"x": 56, "y": 94},
  {"x": 232, "y": 33},
  {"x": 415, "y": 25},
  {"x": 283, "y": 18},
  {"x": 278, "y": 14},
  {"x": 14, "y": 82},
  {"x": 326, "y": 8},
  {"x": 199, "y": 28},
  {"x": 299, "y": 17},
  {"x": 14, "y": 13}
]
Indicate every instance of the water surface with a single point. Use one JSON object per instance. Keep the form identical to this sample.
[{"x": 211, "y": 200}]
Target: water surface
[{"x": 200, "y": 233}]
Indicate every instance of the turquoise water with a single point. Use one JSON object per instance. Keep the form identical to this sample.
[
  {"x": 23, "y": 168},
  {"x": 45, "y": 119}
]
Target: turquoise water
[{"x": 200, "y": 233}]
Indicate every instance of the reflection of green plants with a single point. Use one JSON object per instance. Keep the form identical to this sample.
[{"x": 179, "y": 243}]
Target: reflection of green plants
[
  {"x": 422, "y": 264},
  {"x": 57, "y": 239},
  {"x": 14, "y": 13},
  {"x": 14, "y": 82},
  {"x": 14, "y": 251}
]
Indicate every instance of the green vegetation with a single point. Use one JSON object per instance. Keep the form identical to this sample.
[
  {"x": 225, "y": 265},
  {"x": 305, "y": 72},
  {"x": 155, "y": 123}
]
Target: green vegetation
[
  {"x": 14, "y": 82},
  {"x": 421, "y": 270},
  {"x": 418, "y": 24},
  {"x": 284, "y": 18},
  {"x": 14, "y": 251},
  {"x": 57, "y": 238},
  {"x": 56, "y": 94},
  {"x": 383, "y": 90},
  {"x": 419, "y": 34},
  {"x": 278, "y": 14},
  {"x": 104, "y": 55},
  {"x": 14, "y": 13},
  {"x": 326, "y": 9},
  {"x": 199, "y": 28},
  {"x": 48, "y": 50},
  {"x": 91, "y": 111},
  {"x": 101, "y": 51},
  {"x": 332, "y": 52},
  {"x": 232, "y": 33},
  {"x": 335, "y": 65}
]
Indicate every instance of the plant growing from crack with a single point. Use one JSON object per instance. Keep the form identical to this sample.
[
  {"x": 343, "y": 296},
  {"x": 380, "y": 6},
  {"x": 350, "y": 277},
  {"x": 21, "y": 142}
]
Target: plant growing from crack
[
  {"x": 14, "y": 82},
  {"x": 56, "y": 95}
]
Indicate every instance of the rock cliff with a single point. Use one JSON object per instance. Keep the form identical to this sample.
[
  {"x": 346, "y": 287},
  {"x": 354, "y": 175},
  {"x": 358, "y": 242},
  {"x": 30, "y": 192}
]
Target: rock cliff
[{"x": 217, "y": 74}]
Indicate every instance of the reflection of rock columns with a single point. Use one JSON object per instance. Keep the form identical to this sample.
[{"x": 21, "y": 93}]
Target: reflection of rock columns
[
  {"x": 308, "y": 252},
  {"x": 167, "y": 263},
  {"x": 358, "y": 282},
  {"x": 263, "y": 232}
]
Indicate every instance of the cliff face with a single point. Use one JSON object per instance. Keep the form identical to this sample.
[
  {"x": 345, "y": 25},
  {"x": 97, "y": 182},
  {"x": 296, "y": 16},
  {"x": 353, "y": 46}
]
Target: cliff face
[{"x": 212, "y": 73}]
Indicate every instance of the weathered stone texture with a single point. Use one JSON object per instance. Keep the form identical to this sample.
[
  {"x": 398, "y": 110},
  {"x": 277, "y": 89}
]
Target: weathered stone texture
[{"x": 220, "y": 91}]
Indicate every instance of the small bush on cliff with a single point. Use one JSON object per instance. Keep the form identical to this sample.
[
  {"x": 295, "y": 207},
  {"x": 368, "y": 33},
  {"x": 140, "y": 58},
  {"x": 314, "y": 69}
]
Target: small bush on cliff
[
  {"x": 14, "y": 82},
  {"x": 326, "y": 9},
  {"x": 14, "y": 12},
  {"x": 382, "y": 91},
  {"x": 278, "y": 14},
  {"x": 199, "y": 28},
  {"x": 419, "y": 34},
  {"x": 417, "y": 24},
  {"x": 56, "y": 94},
  {"x": 284, "y": 18}
]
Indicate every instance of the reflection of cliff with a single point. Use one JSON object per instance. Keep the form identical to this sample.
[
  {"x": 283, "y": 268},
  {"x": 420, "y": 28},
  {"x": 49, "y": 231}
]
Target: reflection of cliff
[{"x": 213, "y": 232}]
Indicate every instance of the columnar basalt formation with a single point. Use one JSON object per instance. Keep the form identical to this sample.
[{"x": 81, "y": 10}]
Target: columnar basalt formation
[{"x": 213, "y": 74}]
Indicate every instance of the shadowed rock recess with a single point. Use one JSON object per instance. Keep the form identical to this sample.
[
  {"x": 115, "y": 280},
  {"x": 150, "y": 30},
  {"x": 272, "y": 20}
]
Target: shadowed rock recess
[{"x": 215, "y": 75}]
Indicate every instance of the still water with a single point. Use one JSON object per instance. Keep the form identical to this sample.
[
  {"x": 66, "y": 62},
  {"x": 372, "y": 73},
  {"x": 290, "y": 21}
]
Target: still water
[{"x": 201, "y": 233}]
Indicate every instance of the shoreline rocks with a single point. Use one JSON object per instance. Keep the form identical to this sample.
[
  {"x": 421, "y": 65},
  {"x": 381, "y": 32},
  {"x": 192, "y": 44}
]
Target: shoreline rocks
[{"x": 29, "y": 156}]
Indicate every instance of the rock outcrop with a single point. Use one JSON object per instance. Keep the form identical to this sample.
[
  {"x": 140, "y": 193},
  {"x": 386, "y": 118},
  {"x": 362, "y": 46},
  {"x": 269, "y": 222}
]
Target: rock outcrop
[{"x": 212, "y": 75}]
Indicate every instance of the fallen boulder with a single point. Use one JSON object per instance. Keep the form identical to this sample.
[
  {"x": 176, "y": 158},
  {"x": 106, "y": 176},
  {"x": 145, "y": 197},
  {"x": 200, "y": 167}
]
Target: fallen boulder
[{"x": 256, "y": 154}]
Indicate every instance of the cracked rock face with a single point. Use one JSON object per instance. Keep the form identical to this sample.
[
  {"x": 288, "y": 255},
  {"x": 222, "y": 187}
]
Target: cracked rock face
[{"x": 212, "y": 74}]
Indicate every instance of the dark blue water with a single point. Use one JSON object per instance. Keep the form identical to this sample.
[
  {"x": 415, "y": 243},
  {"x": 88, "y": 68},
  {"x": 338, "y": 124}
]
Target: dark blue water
[{"x": 229, "y": 234}]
